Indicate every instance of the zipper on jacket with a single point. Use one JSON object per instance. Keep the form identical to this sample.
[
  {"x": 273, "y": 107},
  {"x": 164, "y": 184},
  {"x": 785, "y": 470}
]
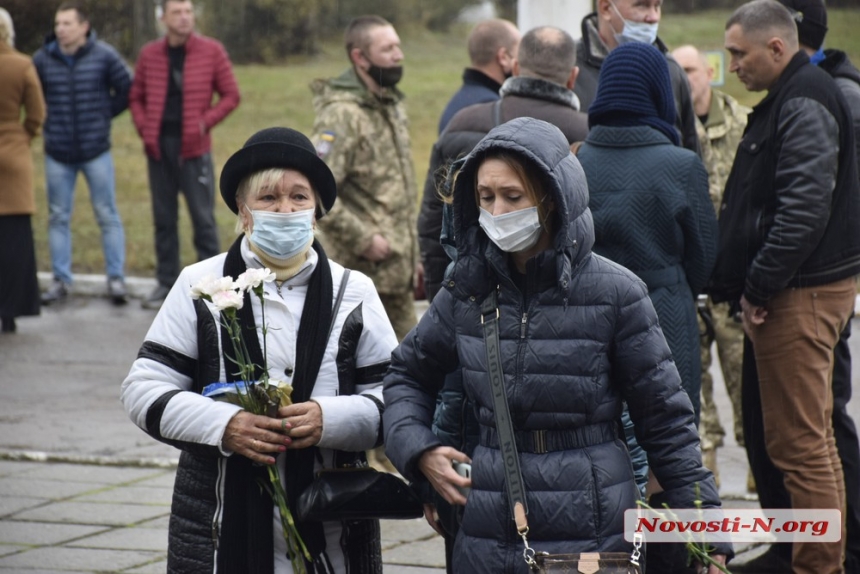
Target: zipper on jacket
[
  {"x": 215, "y": 534},
  {"x": 464, "y": 408},
  {"x": 523, "y": 323}
]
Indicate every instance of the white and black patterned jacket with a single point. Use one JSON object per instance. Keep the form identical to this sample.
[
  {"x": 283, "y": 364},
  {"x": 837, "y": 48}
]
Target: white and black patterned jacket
[{"x": 182, "y": 354}]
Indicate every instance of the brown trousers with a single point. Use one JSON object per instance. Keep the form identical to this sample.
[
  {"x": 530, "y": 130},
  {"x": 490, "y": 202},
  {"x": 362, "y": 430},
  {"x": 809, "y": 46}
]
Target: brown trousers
[{"x": 794, "y": 357}]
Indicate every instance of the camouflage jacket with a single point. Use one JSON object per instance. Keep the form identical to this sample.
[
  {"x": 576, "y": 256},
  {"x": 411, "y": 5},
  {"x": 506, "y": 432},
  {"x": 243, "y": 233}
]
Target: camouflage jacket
[
  {"x": 719, "y": 139},
  {"x": 365, "y": 141}
]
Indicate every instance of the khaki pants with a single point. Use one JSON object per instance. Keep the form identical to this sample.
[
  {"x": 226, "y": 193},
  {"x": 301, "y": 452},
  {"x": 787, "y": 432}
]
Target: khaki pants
[
  {"x": 729, "y": 336},
  {"x": 794, "y": 358},
  {"x": 400, "y": 308}
]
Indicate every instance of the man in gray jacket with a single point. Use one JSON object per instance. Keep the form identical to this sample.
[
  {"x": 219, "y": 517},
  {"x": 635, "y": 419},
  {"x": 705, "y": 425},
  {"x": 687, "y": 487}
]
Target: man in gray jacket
[
  {"x": 620, "y": 21},
  {"x": 545, "y": 73}
]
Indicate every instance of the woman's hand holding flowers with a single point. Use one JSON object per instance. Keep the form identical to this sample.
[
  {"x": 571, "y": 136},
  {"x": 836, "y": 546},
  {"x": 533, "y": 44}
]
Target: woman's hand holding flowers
[
  {"x": 256, "y": 437},
  {"x": 304, "y": 423}
]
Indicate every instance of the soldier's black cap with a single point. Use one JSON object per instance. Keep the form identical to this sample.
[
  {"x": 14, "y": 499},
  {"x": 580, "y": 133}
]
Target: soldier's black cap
[
  {"x": 811, "y": 19},
  {"x": 278, "y": 147}
]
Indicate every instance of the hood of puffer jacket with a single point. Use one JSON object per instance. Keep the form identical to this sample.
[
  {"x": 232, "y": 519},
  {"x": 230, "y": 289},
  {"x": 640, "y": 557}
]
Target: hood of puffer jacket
[{"x": 543, "y": 146}]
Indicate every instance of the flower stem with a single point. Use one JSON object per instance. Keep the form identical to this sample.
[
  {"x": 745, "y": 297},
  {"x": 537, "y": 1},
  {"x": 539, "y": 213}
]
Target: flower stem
[{"x": 295, "y": 544}]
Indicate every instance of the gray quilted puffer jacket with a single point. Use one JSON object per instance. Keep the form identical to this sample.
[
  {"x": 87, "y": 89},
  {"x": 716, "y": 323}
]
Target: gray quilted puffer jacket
[{"x": 582, "y": 337}]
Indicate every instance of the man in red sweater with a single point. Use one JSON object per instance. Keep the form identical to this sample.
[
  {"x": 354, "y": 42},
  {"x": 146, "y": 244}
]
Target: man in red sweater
[{"x": 171, "y": 104}]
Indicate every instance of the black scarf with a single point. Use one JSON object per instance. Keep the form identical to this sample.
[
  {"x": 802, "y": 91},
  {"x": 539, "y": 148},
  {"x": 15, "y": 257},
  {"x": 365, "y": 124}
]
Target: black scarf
[{"x": 246, "y": 526}]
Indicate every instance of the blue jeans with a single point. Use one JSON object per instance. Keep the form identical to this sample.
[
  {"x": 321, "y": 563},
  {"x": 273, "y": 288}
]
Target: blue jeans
[{"x": 60, "y": 179}]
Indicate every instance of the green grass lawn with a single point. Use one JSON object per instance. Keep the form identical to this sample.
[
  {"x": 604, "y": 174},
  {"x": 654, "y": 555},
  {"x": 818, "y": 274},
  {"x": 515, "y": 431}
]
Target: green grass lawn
[{"x": 279, "y": 95}]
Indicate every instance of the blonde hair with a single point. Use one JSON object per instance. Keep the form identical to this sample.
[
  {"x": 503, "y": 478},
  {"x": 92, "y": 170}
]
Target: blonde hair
[
  {"x": 7, "y": 29},
  {"x": 262, "y": 179}
]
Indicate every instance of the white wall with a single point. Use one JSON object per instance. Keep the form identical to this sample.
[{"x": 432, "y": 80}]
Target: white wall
[{"x": 564, "y": 14}]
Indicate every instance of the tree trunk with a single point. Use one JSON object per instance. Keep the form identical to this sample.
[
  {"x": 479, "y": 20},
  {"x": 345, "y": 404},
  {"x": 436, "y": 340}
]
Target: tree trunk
[{"x": 143, "y": 29}]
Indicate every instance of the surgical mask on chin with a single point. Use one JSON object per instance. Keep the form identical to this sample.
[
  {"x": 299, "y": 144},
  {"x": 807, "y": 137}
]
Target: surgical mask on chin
[
  {"x": 512, "y": 232},
  {"x": 635, "y": 31},
  {"x": 282, "y": 235}
]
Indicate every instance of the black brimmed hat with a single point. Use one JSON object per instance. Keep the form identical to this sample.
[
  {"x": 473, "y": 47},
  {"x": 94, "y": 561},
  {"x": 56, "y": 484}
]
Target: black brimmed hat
[{"x": 283, "y": 148}]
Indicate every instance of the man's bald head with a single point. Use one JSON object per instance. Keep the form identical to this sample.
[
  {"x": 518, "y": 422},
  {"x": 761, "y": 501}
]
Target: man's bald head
[
  {"x": 699, "y": 73},
  {"x": 547, "y": 53},
  {"x": 488, "y": 37}
]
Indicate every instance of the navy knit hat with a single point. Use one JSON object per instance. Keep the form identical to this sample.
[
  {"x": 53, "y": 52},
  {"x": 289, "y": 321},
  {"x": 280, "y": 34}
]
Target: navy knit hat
[
  {"x": 811, "y": 19},
  {"x": 634, "y": 89}
]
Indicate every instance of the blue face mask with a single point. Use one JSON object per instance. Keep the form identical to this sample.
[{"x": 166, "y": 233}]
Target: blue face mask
[
  {"x": 282, "y": 235},
  {"x": 635, "y": 31}
]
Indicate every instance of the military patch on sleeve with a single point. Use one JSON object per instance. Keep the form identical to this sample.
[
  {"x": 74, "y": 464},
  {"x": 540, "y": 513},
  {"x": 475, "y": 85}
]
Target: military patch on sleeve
[{"x": 325, "y": 143}]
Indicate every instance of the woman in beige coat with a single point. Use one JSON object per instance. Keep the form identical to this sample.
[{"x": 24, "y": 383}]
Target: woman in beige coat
[{"x": 19, "y": 86}]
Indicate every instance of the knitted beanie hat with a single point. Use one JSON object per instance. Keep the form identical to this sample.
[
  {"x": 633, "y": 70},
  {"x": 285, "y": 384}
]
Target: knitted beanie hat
[
  {"x": 811, "y": 19},
  {"x": 634, "y": 89}
]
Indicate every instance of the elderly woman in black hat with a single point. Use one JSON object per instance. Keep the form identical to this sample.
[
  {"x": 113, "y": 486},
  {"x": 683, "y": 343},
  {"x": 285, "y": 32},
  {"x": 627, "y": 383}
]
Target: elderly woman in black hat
[{"x": 221, "y": 518}]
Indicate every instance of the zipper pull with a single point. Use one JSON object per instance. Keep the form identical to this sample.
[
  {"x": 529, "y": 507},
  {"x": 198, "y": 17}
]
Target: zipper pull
[
  {"x": 523, "y": 323},
  {"x": 215, "y": 533}
]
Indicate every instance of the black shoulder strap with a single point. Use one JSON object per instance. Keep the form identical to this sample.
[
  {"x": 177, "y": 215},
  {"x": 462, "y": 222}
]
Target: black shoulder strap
[
  {"x": 504, "y": 426},
  {"x": 337, "y": 301}
]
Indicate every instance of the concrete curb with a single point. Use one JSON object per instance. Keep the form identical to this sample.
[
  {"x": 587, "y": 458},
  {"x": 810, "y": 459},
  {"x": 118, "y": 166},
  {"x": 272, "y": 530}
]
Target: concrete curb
[
  {"x": 138, "y": 287},
  {"x": 96, "y": 285},
  {"x": 93, "y": 460}
]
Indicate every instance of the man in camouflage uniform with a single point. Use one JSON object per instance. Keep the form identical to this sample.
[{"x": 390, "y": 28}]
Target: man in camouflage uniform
[
  {"x": 720, "y": 125},
  {"x": 361, "y": 133}
]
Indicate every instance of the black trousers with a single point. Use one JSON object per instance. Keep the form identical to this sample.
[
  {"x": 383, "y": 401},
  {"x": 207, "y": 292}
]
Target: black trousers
[
  {"x": 19, "y": 287},
  {"x": 768, "y": 478},
  {"x": 193, "y": 178}
]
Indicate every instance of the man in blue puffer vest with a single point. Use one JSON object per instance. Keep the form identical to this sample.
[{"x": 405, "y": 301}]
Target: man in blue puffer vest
[{"x": 86, "y": 84}]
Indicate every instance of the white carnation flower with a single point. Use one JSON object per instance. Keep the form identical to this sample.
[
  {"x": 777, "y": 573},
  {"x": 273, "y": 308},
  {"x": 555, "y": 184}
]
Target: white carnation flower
[
  {"x": 227, "y": 299},
  {"x": 253, "y": 278},
  {"x": 201, "y": 289}
]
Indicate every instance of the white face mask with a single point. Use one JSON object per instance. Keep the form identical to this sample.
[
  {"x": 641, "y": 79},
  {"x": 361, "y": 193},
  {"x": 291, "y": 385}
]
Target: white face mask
[
  {"x": 282, "y": 235},
  {"x": 512, "y": 232},
  {"x": 635, "y": 31}
]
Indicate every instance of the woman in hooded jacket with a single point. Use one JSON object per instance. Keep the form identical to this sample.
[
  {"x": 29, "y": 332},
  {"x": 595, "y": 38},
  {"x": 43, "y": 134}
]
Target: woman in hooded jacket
[{"x": 578, "y": 335}]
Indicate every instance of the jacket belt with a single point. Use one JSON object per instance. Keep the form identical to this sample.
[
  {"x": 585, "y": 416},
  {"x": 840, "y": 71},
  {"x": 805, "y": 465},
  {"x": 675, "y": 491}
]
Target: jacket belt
[
  {"x": 543, "y": 441},
  {"x": 656, "y": 278}
]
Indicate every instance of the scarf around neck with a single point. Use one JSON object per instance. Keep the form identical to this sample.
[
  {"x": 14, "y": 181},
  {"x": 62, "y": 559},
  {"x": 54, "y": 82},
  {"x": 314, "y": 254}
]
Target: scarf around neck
[{"x": 247, "y": 522}]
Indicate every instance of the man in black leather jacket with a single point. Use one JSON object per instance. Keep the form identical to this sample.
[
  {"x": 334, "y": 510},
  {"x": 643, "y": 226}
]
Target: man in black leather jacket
[
  {"x": 789, "y": 253},
  {"x": 811, "y": 19}
]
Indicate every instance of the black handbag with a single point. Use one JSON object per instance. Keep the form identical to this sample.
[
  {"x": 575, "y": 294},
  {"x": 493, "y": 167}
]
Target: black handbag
[
  {"x": 358, "y": 492},
  {"x": 585, "y": 562}
]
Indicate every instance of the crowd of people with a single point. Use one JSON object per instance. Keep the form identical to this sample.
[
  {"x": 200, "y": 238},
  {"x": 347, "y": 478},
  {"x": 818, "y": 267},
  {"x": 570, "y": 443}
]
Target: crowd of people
[{"x": 596, "y": 201}]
